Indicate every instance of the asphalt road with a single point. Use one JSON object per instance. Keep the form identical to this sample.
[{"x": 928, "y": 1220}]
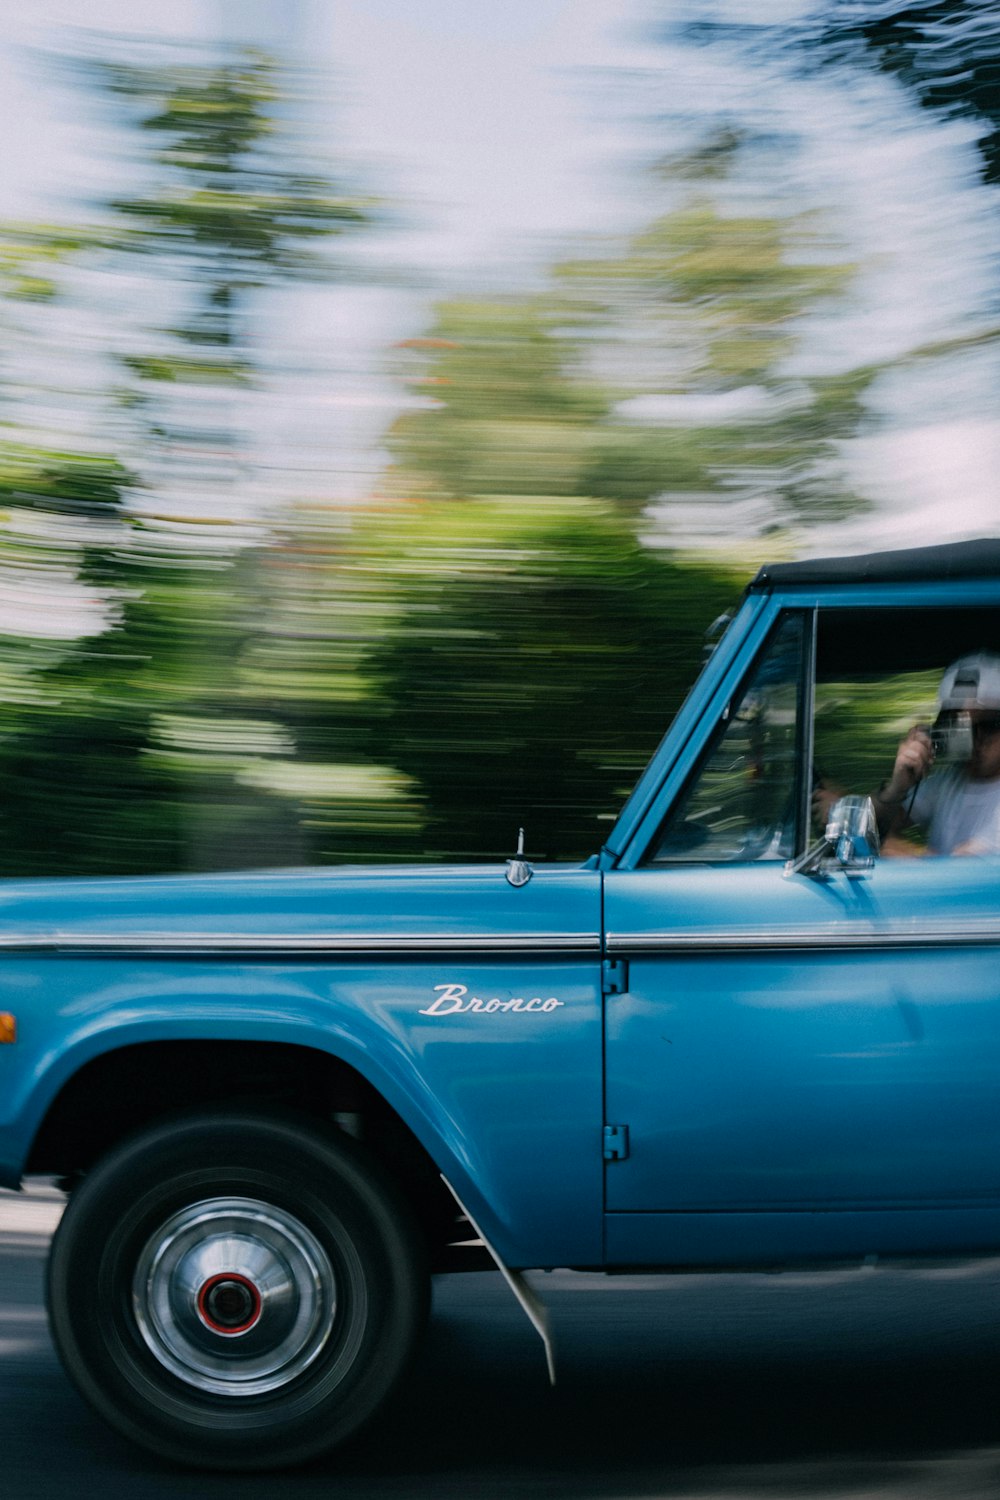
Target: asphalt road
[{"x": 876, "y": 1382}]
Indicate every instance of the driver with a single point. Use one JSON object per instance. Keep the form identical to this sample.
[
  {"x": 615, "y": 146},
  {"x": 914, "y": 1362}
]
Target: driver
[{"x": 960, "y": 805}]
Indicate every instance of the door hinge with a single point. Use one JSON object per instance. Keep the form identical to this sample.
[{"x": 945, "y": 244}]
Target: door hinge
[
  {"x": 615, "y": 1142},
  {"x": 614, "y": 976}
]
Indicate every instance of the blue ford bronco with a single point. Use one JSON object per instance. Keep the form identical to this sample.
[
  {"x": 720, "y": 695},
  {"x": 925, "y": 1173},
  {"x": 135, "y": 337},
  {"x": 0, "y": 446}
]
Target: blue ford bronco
[{"x": 280, "y": 1102}]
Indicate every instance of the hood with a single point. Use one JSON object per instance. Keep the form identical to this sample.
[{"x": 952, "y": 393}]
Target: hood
[{"x": 281, "y": 906}]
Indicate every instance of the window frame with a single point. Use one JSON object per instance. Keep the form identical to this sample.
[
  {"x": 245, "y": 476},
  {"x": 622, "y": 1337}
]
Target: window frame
[{"x": 802, "y": 755}]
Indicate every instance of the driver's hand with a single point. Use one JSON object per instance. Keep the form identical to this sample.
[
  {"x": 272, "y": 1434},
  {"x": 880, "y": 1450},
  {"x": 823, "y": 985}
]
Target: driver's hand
[
  {"x": 914, "y": 759},
  {"x": 971, "y": 846}
]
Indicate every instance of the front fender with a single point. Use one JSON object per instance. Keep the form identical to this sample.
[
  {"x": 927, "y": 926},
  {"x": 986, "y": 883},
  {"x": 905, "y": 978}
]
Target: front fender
[{"x": 505, "y": 1098}]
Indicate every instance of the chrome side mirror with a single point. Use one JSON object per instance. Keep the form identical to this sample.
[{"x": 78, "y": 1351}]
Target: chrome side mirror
[
  {"x": 850, "y": 843},
  {"x": 852, "y": 831}
]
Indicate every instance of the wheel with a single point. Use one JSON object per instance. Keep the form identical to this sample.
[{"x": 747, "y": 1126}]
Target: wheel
[{"x": 236, "y": 1292}]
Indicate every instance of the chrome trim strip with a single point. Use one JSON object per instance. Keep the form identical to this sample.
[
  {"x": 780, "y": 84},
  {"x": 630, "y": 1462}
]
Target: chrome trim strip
[
  {"x": 928, "y": 935},
  {"x": 218, "y": 943},
  {"x": 931, "y": 934}
]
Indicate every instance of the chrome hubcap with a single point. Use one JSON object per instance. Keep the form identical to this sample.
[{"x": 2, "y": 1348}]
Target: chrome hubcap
[{"x": 234, "y": 1296}]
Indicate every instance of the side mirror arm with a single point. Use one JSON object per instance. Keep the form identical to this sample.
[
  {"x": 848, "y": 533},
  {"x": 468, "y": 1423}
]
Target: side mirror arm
[{"x": 849, "y": 845}]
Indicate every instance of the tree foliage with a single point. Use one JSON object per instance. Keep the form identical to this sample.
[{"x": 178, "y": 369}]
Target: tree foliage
[
  {"x": 673, "y": 367},
  {"x": 501, "y": 635},
  {"x": 498, "y": 639},
  {"x": 107, "y": 755},
  {"x": 538, "y": 656}
]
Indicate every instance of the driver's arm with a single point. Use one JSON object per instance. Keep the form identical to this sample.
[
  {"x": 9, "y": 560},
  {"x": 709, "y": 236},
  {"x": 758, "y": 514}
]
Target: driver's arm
[{"x": 914, "y": 759}]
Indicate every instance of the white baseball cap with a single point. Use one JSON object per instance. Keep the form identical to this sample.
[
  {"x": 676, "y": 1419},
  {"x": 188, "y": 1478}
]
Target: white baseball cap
[{"x": 971, "y": 682}]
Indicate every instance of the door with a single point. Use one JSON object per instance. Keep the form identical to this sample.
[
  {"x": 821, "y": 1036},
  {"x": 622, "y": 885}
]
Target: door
[{"x": 795, "y": 1058}]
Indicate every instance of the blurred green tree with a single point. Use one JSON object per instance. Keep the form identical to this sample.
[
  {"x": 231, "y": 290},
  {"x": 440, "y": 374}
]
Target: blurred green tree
[
  {"x": 673, "y": 368},
  {"x": 126, "y": 746},
  {"x": 452, "y": 670},
  {"x": 539, "y": 653},
  {"x": 517, "y": 646},
  {"x": 497, "y": 621}
]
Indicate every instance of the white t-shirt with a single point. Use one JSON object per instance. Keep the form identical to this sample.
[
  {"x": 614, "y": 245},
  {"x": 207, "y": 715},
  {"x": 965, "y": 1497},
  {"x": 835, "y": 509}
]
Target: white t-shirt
[{"x": 957, "y": 811}]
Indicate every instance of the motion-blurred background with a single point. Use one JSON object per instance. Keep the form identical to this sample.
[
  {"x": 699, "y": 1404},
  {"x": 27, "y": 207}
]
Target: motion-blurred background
[{"x": 393, "y": 391}]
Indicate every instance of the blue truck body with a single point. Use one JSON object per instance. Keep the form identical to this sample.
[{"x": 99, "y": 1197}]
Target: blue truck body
[{"x": 649, "y": 1060}]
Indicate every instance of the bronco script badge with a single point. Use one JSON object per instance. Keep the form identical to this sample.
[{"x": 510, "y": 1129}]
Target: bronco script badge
[{"x": 451, "y": 998}]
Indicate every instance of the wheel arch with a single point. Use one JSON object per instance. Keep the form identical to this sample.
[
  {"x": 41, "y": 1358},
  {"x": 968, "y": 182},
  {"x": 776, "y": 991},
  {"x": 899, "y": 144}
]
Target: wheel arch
[{"x": 112, "y": 1095}]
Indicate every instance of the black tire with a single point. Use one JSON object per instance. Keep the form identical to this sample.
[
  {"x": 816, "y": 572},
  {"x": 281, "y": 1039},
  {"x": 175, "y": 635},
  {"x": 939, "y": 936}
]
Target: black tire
[{"x": 235, "y": 1292}]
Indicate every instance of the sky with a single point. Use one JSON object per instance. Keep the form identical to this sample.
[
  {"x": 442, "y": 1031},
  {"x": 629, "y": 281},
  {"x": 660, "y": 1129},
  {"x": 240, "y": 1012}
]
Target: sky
[{"x": 503, "y": 133}]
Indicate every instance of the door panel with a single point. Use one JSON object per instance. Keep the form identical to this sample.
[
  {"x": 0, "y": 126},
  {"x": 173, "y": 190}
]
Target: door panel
[{"x": 804, "y": 1044}]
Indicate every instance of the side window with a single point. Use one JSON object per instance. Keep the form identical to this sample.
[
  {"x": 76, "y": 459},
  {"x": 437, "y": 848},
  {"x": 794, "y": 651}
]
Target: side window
[
  {"x": 858, "y": 723},
  {"x": 879, "y": 671},
  {"x": 742, "y": 801}
]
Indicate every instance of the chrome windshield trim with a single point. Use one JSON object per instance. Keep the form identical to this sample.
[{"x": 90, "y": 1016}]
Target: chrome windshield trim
[
  {"x": 210, "y": 943},
  {"x": 940, "y": 934}
]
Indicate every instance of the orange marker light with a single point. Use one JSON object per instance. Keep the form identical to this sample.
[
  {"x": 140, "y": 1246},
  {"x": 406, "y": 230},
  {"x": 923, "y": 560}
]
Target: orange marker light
[{"x": 8, "y": 1027}]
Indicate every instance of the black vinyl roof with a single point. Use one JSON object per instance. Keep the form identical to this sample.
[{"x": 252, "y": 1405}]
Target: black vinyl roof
[{"x": 979, "y": 559}]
